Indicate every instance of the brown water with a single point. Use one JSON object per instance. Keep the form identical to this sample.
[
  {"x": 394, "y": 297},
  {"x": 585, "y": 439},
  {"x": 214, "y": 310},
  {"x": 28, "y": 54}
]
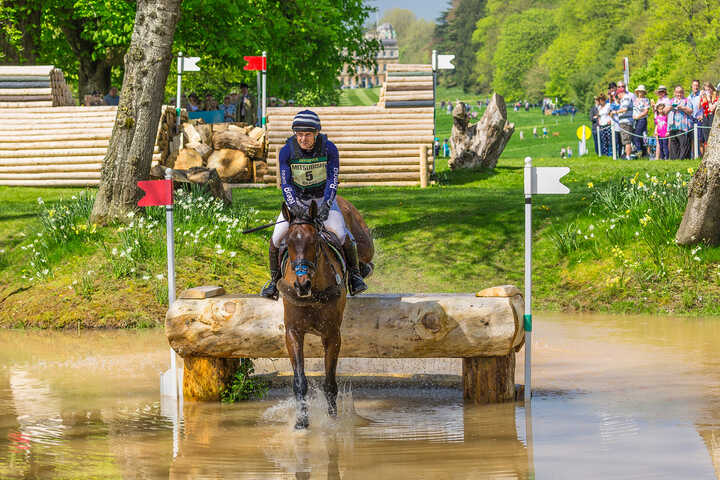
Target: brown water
[{"x": 616, "y": 397}]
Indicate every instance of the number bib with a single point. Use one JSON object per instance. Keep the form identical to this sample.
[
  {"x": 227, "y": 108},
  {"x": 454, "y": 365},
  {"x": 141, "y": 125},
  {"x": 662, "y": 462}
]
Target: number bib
[{"x": 308, "y": 173}]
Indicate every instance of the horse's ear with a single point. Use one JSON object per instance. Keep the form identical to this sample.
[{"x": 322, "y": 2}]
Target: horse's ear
[
  {"x": 313, "y": 210},
  {"x": 286, "y": 212}
]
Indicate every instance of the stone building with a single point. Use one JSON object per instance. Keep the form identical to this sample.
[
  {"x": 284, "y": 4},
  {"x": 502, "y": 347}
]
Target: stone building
[{"x": 365, "y": 77}]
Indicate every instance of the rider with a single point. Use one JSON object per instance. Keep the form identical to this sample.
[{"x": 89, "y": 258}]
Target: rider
[{"x": 309, "y": 165}]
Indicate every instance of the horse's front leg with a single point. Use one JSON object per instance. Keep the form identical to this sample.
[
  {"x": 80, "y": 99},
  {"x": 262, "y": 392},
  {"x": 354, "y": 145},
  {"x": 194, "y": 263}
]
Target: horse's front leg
[
  {"x": 331, "y": 343},
  {"x": 294, "y": 342}
]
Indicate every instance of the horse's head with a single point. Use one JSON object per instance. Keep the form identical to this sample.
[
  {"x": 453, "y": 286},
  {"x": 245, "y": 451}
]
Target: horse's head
[{"x": 303, "y": 250}]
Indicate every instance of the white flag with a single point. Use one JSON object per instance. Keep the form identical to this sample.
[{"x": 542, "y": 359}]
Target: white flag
[
  {"x": 190, "y": 64},
  {"x": 444, "y": 62},
  {"x": 545, "y": 180}
]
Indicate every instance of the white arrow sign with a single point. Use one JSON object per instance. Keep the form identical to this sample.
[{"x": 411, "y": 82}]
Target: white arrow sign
[
  {"x": 190, "y": 64},
  {"x": 444, "y": 62},
  {"x": 546, "y": 180}
]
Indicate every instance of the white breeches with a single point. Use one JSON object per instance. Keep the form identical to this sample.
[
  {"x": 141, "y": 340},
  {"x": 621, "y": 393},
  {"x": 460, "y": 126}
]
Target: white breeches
[{"x": 335, "y": 223}]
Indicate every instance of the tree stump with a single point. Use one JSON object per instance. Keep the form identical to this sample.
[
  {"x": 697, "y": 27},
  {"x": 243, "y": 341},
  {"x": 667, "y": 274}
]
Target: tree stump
[
  {"x": 205, "y": 378},
  {"x": 489, "y": 379},
  {"x": 481, "y": 144}
]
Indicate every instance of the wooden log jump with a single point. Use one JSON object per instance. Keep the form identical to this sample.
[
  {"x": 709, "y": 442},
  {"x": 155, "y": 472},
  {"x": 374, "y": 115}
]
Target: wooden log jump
[{"x": 484, "y": 329}]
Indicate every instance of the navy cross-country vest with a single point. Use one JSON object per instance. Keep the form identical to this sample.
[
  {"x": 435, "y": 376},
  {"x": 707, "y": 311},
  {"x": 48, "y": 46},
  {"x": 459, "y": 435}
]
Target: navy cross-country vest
[{"x": 309, "y": 169}]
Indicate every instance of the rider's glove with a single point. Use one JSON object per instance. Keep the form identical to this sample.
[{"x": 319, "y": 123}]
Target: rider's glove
[{"x": 323, "y": 212}]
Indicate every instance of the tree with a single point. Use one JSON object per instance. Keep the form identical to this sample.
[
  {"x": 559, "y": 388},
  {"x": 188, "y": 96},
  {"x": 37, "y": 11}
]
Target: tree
[
  {"x": 147, "y": 63},
  {"x": 414, "y": 35},
  {"x": 701, "y": 220},
  {"x": 454, "y": 36}
]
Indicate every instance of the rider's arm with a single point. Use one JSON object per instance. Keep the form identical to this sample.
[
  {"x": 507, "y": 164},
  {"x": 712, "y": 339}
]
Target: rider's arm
[
  {"x": 333, "y": 173},
  {"x": 288, "y": 190}
]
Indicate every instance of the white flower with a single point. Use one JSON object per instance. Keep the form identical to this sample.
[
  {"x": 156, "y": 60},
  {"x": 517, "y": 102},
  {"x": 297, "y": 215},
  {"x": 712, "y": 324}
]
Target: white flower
[
  {"x": 131, "y": 214},
  {"x": 592, "y": 235},
  {"x": 696, "y": 258},
  {"x": 114, "y": 251},
  {"x": 159, "y": 276},
  {"x": 74, "y": 282},
  {"x": 132, "y": 270},
  {"x": 90, "y": 272},
  {"x": 579, "y": 232},
  {"x": 45, "y": 271},
  {"x": 637, "y": 234},
  {"x": 232, "y": 254},
  {"x": 40, "y": 201},
  {"x": 2, "y": 251},
  {"x": 591, "y": 228},
  {"x": 73, "y": 197},
  {"x": 145, "y": 277}
]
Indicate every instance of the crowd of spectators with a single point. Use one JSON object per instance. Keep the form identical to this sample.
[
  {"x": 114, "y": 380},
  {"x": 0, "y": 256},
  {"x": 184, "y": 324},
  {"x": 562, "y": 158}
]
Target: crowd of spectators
[
  {"x": 235, "y": 107},
  {"x": 624, "y": 115},
  {"x": 96, "y": 99}
]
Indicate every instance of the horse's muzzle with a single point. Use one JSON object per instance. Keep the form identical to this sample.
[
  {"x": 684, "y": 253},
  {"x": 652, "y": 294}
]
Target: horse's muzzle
[{"x": 303, "y": 288}]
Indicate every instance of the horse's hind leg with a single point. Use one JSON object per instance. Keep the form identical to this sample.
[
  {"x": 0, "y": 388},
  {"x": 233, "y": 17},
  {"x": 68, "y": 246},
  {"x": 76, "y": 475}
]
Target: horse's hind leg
[
  {"x": 294, "y": 342},
  {"x": 332, "y": 350}
]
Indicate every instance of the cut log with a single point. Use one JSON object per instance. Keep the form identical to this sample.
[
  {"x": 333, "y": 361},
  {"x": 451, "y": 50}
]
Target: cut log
[
  {"x": 489, "y": 379},
  {"x": 235, "y": 139},
  {"x": 205, "y": 131},
  {"x": 375, "y": 326},
  {"x": 201, "y": 148},
  {"x": 256, "y": 133},
  {"x": 187, "y": 158},
  {"x": 231, "y": 165},
  {"x": 481, "y": 144},
  {"x": 191, "y": 135}
]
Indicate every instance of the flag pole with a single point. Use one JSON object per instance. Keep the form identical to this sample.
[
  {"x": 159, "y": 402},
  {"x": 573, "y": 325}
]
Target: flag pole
[
  {"x": 178, "y": 107},
  {"x": 171, "y": 274},
  {"x": 527, "y": 318},
  {"x": 264, "y": 89}
]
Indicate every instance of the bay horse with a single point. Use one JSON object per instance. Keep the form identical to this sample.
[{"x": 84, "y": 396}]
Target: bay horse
[{"x": 313, "y": 287}]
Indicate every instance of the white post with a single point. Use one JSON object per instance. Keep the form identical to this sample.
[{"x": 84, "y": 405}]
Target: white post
[
  {"x": 527, "y": 318},
  {"x": 612, "y": 141},
  {"x": 599, "y": 142},
  {"x": 258, "y": 104},
  {"x": 434, "y": 67},
  {"x": 696, "y": 142},
  {"x": 264, "y": 90},
  {"x": 179, "y": 95},
  {"x": 171, "y": 275}
]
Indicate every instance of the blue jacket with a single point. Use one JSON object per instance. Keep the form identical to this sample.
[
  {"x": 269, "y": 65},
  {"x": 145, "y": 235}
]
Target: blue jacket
[{"x": 291, "y": 192}]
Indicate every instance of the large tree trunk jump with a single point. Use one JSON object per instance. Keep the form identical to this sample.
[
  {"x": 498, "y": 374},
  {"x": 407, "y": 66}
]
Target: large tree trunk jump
[
  {"x": 701, "y": 221},
  {"x": 481, "y": 144},
  {"x": 147, "y": 63}
]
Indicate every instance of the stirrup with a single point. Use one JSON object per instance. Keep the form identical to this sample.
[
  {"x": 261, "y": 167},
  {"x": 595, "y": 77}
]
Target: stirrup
[
  {"x": 270, "y": 290},
  {"x": 356, "y": 289},
  {"x": 366, "y": 269}
]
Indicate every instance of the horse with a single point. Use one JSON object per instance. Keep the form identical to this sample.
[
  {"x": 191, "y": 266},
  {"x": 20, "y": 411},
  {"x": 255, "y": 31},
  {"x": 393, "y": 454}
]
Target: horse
[{"x": 314, "y": 293}]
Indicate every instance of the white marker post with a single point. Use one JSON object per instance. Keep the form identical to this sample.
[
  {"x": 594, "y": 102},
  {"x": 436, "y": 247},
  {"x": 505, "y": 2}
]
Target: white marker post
[
  {"x": 264, "y": 90},
  {"x": 439, "y": 62},
  {"x": 178, "y": 107},
  {"x": 538, "y": 180}
]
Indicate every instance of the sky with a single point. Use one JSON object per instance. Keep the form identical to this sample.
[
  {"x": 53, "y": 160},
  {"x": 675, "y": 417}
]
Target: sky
[{"x": 427, "y": 9}]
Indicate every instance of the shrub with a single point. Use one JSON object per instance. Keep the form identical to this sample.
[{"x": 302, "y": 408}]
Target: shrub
[{"x": 244, "y": 386}]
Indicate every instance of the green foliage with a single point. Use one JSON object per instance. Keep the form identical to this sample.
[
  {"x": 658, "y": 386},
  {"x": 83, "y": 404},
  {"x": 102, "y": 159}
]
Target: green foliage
[
  {"x": 453, "y": 35},
  {"x": 317, "y": 96},
  {"x": 414, "y": 35},
  {"x": 244, "y": 386}
]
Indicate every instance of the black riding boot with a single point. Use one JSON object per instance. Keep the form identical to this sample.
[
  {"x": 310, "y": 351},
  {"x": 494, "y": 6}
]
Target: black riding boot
[
  {"x": 270, "y": 289},
  {"x": 355, "y": 280}
]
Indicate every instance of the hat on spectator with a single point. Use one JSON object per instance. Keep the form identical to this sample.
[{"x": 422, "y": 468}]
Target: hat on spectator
[
  {"x": 662, "y": 88},
  {"x": 641, "y": 88},
  {"x": 306, "y": 121}
]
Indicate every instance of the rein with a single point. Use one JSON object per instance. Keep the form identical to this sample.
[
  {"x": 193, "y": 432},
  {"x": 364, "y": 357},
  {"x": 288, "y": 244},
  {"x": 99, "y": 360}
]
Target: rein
[{"x": 303, "y": 267}]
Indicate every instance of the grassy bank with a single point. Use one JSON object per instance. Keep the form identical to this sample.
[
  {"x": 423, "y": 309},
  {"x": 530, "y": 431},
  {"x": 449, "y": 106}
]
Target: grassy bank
[{"x": 607, "y": 246}]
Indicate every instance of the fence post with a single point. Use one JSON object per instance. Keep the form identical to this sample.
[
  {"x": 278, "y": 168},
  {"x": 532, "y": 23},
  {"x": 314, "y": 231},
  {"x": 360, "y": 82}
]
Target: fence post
[
  {"x": 423, "y": 167},
  {"x": 696, "y": 143},
  {"x": 599, "y": 142},
  {"x": 613, "y": 142}
]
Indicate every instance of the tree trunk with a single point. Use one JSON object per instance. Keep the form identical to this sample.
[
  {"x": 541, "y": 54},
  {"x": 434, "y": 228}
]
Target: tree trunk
[
  {"x": 93, "y": 75},
  {"x": 147, "y": 63},
  {"x": 701, "y": 221}
]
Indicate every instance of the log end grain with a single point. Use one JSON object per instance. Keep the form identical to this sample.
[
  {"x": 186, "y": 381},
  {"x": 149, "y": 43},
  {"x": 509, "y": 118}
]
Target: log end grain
[{"x": 205, "y": 378}]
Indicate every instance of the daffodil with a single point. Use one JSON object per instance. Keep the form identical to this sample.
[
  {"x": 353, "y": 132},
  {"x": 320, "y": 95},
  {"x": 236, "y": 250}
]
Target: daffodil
[{"x": 590, "y": 185}]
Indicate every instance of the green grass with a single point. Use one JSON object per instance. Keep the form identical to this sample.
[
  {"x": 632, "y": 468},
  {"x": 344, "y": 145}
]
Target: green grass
[
  {"x": 353, "y": 97},
  {"x": 462, "y": 234}
]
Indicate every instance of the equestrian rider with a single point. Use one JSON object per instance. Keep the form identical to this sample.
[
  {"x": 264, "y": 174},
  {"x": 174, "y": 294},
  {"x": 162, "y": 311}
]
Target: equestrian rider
[{"x": 309, "y": 165}]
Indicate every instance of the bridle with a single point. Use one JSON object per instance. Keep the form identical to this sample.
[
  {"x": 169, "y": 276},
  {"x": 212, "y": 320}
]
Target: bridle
[{"x": 304, "y": 266}]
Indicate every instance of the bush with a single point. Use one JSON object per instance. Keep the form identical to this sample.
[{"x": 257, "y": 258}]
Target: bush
[{"x": 244, "y": 386}]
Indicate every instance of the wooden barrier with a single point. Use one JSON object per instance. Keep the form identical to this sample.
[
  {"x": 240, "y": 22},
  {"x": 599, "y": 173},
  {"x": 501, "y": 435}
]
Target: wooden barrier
[{"x": 485, "y": 330}]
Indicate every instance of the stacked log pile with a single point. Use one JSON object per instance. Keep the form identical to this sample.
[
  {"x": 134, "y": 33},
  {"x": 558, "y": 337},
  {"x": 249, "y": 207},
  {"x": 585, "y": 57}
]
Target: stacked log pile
[
  {"x": 235, "y": 150},
  {"x": 407, "y": 86},
  {"x": 25, "y": 86},
  {"x": 61, "y": 94},
  {"x": 377, "y": 146}
]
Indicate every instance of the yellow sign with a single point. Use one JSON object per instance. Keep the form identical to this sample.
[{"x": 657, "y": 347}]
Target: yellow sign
[{"x": 584, "y": 131}]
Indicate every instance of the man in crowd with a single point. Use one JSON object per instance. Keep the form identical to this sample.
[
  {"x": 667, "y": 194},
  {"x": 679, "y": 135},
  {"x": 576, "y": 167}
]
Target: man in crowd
[
  {"x": 680, "y": 122},
  {"x": 228, "y": 109},
  {"x": 246, "y": 106},
  {"x": 112, "y": 98},
  {"x": 624, "y": 118}
]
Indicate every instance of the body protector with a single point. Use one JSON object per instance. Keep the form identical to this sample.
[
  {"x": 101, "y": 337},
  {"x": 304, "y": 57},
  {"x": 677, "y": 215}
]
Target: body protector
[{"x": 308, "y": 169}]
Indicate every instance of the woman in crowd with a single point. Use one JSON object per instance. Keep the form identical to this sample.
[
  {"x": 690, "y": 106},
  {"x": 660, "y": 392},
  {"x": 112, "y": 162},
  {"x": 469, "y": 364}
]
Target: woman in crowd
[
  {"x": 606, "y": 133},
  {"x": 194, "y": 103},
  {"x": 641, "y": 108},
  {"x": 708, "y": 104}
]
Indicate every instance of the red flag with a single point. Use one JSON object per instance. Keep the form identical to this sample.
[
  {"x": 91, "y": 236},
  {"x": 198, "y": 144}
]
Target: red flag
[
  {"x": 157, "y": 192},
  {"x": 256, "y": 63}
]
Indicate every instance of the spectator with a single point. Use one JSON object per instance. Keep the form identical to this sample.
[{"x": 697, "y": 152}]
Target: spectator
[
  {"x": 246, "y": 106},
  {"x": 612, "y": 89},
  {"x": 641, "y": 108},
  {"x": 624, "y": 118},
  {"x": 545, "y": 132},
  {"x": 605, "y": 140},
  {"x": 661, "y": 140},
  {"x": 193, "y": 103},
  {"x": 573, "y": 111},
  {"x": 522, "y": 135},
  {"x": 228, "y": 109},
  {"x": 535, "y": 132},
  {"x": 93, "y": 100},
  {"x": 594, "y": 116},
  {"x": 569, "y": 152},
  {"x": 708, "y": 103},
  {"x": 562, "y": 152},
  {"x": 210, "y": 103},
  {"x": 694, "y": 99},
  {"x": 436, "y": 147},
  {"x": 112, "y": 98},
  {"x": 680, "y": 123},
  {"x": 446, "y": 148}
]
